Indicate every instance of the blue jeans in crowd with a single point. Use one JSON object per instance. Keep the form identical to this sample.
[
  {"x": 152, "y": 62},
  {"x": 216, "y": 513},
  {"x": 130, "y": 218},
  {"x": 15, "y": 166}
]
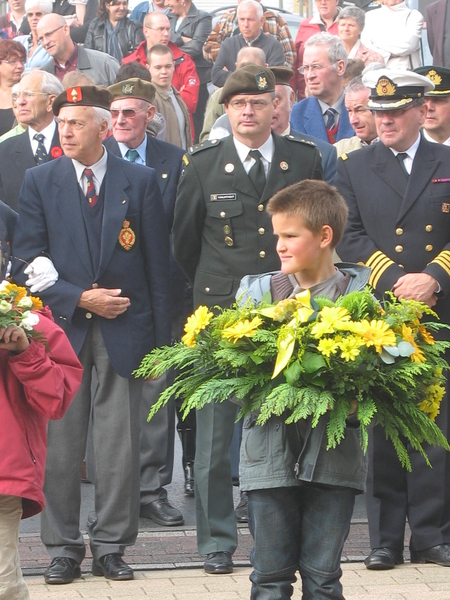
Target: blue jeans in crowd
[{"x": 299, "y": 528}]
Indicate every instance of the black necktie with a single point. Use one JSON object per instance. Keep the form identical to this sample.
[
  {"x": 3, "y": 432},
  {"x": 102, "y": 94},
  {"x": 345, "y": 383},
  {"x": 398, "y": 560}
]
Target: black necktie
[
  {"x": 330, "y": 112},
  {"x": 41, "y": 153},
  {"x": 401, "y": 159},
  {"x": 257, "y": 174}
]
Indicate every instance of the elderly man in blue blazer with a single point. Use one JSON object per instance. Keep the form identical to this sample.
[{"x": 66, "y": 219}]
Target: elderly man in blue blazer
[
  {"x": 131, "y": 110},
  {"x": 101, "y": 221},
  {"x": 323, "y": 114}
]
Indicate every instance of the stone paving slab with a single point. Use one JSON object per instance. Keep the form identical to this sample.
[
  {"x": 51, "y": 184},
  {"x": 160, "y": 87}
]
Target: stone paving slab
[{"x": 406, "y": 582}]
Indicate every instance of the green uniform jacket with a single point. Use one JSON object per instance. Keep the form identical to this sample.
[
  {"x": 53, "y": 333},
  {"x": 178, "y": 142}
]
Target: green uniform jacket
[{"x": 221, "y": 230}]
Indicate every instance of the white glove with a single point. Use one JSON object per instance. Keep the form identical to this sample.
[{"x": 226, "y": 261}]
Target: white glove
[{"x": 41, "y": 274}]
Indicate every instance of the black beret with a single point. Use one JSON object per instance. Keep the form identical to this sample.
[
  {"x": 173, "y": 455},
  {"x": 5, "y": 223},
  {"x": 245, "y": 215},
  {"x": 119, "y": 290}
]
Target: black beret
[{"x": 85, "y": 95}]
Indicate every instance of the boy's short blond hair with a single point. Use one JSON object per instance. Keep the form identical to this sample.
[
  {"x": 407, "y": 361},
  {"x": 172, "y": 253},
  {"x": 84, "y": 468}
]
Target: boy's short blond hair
[{"x": 316, "y": 202}]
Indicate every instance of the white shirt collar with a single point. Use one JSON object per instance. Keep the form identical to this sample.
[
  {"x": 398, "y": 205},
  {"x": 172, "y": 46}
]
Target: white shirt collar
[
  {"x": 428, "y": 137},
  {"x": 411, "y": 152},
  {"x": 98, "y": 171},
  {"x": 141, "y": 150},
  {"x": 266, "y": 150},
  {"x": 48, "y": 133}
]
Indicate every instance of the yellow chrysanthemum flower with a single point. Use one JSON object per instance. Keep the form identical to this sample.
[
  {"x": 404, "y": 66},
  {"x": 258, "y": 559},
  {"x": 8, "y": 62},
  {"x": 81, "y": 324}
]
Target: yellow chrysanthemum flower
[
  {"x": 349, "y": 347},
  {"x": 327, "y": 346},
  {"x": 426, "y": 335},
  {"x": 331, "y": 319},
  {"x": 407, "y": 334},
  {"x": 241, "y": 329},
  {"x": 37, "y": 303},
  {"x": 377, "y": 334},
  {"x": 195, "y": 323},
  {"x": 11, "y": 289}
]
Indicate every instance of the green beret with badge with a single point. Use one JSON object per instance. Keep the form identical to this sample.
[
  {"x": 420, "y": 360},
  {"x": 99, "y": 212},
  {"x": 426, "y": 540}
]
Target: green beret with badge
[
  {"x": 84, "y": 95},
  {"x": 133, "y": 88},
  {"x": 251, "y": 79},
  {"x": 440, "y": 76}
]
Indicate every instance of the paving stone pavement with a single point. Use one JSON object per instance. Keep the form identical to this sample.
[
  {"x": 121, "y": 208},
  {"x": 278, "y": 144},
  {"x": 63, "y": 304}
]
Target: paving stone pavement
[{"x": 407, "y": 582}]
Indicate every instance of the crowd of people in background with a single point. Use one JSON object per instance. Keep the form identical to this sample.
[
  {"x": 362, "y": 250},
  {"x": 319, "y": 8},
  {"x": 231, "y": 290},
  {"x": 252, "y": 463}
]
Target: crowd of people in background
[{"x": 140, "y": 150}]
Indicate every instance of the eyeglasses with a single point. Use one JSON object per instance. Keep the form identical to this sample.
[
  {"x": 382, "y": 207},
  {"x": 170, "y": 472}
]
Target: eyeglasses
[
  {"x": 160, "y": 29},
  {"x": 49, "y": 34},
  {"x": 314, "y": 67},
  {"x": 26, "y": 95},
  {"x": 128, "y": 113},
  {"x": 15, "y": 62},
  {"x": 239, "y": 104}
]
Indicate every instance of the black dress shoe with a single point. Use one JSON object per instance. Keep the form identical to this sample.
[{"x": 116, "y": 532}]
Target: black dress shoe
[
  {"x": 62, "y": 570},
  {"x": 189, "y": 479},
  {"x": 440, "y": 555},
  {"x": 241, "y": 510},
  {"x": 162, "y": 512},
  {"x": 383, "y": 559},
  {"x": 112, "y": 566},
  {"x": 218, "y": 563}
]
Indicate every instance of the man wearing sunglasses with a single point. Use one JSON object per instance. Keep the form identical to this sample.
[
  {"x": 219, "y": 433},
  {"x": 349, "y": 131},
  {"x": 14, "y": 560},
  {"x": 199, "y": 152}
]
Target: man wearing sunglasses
[
  {"x": 221, "y": 232},
  {"x": 40, "y": 143},
  {"x": 131, "y": 111},
  {"x": 54, "y": 35}
]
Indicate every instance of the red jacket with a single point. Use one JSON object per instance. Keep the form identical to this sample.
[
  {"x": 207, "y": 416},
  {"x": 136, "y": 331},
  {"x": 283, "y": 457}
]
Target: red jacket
[
  {"x": 185, "y": 78},
  {"x": 35, "y": 386},
  {"x": 306, "y": 30}
]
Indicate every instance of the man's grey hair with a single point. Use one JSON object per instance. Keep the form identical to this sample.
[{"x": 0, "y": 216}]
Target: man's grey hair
[
  {"x": 101, "y": 114},
  {"x": 51, "y": 84},
  {"x": 253, "y": 4},
  {"x": 355, "y": 85},
  {"x": 334, "y": 45},
  {"x": 355, "y": 13},
  {"x": 46, "y": 6}
]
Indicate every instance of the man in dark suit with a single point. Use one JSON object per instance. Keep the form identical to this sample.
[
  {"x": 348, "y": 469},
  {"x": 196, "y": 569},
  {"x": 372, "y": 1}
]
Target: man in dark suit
[
  {"x": 131, "y": 111},
  {"x": 323, "y": 114},
  {"x": 101, "y": 221},
  {"x": 437, "y": 31},
  {"x": 222, "y": 232},
  {"x": 398, "y": 193},
  {"x": 40, "y": 143}
]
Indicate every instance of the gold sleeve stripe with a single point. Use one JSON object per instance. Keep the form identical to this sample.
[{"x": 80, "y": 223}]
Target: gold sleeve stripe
[
  {"x": 379, "y": 270},
  {"x": 443, "y": 260},
  {"x": 376, "y": 256}
]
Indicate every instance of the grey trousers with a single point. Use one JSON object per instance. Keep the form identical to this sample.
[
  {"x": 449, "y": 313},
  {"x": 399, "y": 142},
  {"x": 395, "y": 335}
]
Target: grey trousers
[
  {"x": 157, "y": 443},
  {"x": 115, "y": 434},
  {"x": 216, "y": 521}
]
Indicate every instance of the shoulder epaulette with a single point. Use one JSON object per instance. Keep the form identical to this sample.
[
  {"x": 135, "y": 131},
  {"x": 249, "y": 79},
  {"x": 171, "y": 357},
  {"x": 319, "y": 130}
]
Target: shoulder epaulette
[
  {"x": 203, "y": 146},
  {"x": 299, "y": 139}
]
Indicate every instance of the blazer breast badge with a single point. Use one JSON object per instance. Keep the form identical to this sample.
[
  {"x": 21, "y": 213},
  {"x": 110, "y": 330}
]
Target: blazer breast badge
[{"x": 127, "y": 237}]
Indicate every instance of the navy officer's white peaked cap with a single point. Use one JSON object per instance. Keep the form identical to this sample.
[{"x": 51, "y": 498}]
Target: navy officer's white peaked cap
[{"x": 392, "y": 89}]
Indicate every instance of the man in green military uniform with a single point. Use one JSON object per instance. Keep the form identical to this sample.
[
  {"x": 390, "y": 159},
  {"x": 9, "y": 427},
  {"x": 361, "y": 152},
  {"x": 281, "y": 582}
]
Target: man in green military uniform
[{"x": 222, "y": 232}]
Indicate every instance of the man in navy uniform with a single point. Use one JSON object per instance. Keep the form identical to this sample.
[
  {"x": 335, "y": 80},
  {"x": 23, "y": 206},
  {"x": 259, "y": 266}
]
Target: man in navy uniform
[
  {"x": 101, "y": 221},
  {"x": 398, "y": 193},
  {"x": 222, "y": 232}
]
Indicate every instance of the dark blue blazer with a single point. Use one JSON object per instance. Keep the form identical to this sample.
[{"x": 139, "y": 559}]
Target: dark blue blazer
[
  {"x": 16, "y": 156},
  {"x": 306, "y": 116},
  {"x": 51, "y": 223},
  {"x": 328, "y": 152},
  {"x": 166, "y": 159}
]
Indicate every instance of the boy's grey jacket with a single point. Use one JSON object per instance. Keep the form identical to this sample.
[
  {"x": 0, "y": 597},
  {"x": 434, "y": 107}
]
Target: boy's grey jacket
[{"x": 268, "y": 455}]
